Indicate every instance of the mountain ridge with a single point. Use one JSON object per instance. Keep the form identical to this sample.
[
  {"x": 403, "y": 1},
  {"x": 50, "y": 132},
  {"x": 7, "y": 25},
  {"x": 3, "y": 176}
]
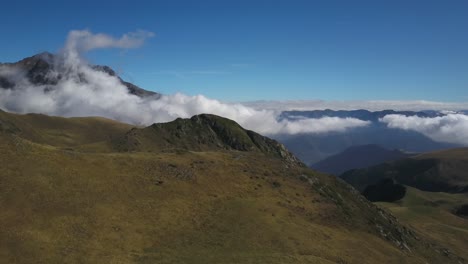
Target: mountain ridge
[{"x": 202, "y": 132}]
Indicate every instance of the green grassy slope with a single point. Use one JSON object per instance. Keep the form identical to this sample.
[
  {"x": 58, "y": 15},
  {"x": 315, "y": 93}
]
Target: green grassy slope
[
  {"x": 60, "y": 131},
  {"x": 213, "y": 205},
  {"x": 200, "y": 133},
  {"x": 431, "y": 213}
]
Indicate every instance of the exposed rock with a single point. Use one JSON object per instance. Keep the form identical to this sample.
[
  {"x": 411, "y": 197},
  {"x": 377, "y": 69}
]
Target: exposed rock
[{"x": 203, "y": 132}]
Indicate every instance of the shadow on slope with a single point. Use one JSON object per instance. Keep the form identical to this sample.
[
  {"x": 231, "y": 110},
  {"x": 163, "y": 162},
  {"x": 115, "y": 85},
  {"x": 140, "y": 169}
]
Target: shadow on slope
[
  {"x": 442, "y": 171},
  {"x": 357, "y": 157}
]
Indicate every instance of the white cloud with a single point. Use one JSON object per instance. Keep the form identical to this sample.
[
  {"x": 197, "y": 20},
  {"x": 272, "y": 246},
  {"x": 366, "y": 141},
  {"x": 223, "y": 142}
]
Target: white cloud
[
  {"x": 80, "y": 41},
  {"x": 83, "y": 91},
  {"x": 319, "y": 125},
  {"x": 103, "y": 95},
  {"x": 85, "y": 40},
  {"x": 452, "y": 128}
]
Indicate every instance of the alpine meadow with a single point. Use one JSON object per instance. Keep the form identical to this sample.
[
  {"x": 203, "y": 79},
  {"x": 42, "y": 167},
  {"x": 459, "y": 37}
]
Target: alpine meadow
[{"x": 234, "y": 132}]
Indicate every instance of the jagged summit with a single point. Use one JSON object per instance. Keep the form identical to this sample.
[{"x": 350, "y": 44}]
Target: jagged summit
[{"x": 47, "y": 69}]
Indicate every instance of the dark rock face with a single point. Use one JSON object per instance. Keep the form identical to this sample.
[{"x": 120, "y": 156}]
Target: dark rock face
[
  {"x": 105, "y": 69},
  {"x": 5, "y": 83},
  {"x": 133, "y": 89},
  {"x": 46, "y": 69},
  {"x": 38, "y": 69},
  {"x": 384, "y": 191}
]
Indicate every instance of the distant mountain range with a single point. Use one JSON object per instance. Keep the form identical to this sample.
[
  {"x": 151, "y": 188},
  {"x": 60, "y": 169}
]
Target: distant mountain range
[
  {"x": 358, "y": 157},
  {"x": 359, "y": 114},
  {"x": 312, "y": 148}
]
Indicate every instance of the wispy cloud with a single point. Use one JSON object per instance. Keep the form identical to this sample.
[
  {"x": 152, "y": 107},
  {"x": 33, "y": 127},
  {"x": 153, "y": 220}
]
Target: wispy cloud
[
  {"x": 81, "y": 41},
  {"x": 319, "y": 125},
  {"x": 85, "y": 40}
]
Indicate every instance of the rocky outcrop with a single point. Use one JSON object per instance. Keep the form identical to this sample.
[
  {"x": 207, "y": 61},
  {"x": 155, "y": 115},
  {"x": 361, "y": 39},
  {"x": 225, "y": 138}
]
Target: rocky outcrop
[{"x": 203, "y": 132}]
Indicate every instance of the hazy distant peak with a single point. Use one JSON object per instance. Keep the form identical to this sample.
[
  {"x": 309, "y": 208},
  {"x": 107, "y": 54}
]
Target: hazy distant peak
[{"x": 356, "y": 157}]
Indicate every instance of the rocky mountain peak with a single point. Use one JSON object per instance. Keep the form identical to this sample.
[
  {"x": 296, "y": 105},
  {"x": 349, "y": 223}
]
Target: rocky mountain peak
[{"x": 46, "y": 69}]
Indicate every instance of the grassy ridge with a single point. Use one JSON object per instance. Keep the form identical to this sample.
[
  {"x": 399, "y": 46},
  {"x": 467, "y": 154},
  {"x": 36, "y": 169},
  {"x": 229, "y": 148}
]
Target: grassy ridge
[
  {"x": 60, "y": 131},
  {"x": 200, "y": 133}
]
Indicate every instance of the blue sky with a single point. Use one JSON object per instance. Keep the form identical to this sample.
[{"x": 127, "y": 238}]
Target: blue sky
[{"x": 272, "y": 50}]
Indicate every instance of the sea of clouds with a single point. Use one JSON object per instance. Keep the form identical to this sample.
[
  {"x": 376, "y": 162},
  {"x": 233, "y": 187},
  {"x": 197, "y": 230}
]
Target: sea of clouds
[
  {"x": 451, "y": 128},
  {"x": 84, "y": 91},
  {"x": 89, "y": 92}
]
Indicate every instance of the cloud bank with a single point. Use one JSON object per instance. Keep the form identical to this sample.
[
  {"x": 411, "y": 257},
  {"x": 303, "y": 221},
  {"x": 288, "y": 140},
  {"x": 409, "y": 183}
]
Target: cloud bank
[
  {"x": 452, "y": 128},
  {"x": 84, "y": 91},
  {"x": 371, "y": 105}
]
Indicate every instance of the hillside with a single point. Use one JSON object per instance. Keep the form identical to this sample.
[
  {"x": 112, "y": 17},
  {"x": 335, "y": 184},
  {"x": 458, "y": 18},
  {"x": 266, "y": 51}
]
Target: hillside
[
  {"x": 435, "y": 200},
  {"x": 199, "y": 190},
  {"x": 441, "y": 171},
  {"x": 60, "y": 131},
  {"x": 435, "y": 214},
  {"x": 357, "y": 157},
  {"x": 201, "y": 133}
]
